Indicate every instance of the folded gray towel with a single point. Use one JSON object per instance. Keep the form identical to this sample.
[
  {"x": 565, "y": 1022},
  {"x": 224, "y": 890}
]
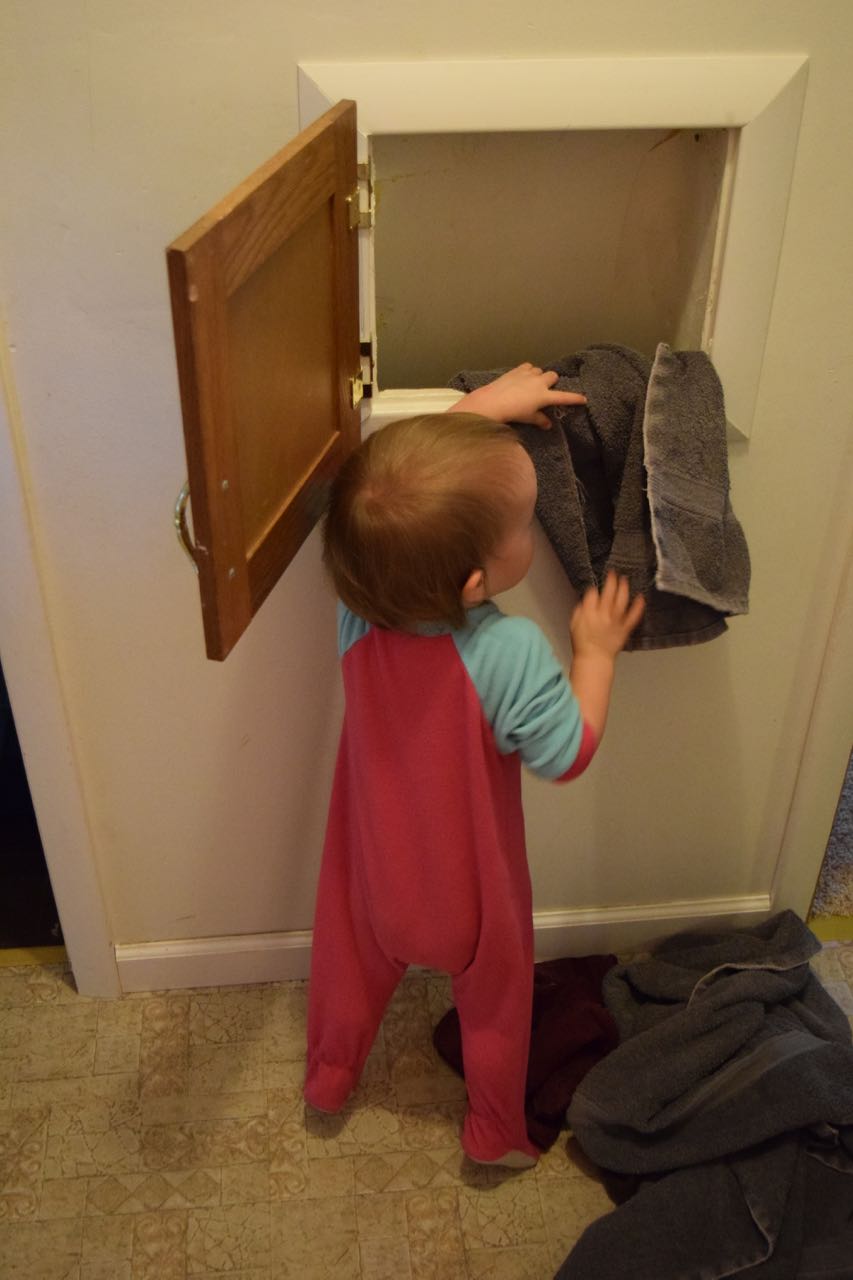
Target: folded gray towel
[
  {"x": 701, "y": 550},
  {"x": 592, "y": 487},
  {"x": 731, "y": 1094}
]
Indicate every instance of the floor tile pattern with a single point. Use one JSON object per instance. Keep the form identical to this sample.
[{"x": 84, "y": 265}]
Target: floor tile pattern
[{"x": 164, "y": 1137}]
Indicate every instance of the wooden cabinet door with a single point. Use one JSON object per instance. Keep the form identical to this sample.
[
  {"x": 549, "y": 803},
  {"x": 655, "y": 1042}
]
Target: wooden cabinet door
[{"x": 264, "y": 293}]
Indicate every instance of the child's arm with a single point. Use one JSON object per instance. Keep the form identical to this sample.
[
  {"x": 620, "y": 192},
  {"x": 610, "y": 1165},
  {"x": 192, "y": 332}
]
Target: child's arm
[
  {"x": 518, "y": 396},
  {"x": 600, "y": 627}
]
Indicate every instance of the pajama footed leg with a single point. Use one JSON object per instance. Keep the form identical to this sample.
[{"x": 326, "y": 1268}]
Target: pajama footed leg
[
  {"x": 352, "y": 981},
  {"x": 485, "y": 1143},
  {"x": 327, "y": 1087},
  {"x": 344, "y": 1013},
  {"x": 495, "y": 1022}
]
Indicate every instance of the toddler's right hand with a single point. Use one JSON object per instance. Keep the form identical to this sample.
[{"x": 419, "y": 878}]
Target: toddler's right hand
[
  {"x": 602, "y": 622},
  {"x": 519, "y": 395}
]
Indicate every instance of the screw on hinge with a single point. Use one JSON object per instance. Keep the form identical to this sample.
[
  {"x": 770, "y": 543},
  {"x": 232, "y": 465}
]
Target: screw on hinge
[{"x": 361, "y": 219}]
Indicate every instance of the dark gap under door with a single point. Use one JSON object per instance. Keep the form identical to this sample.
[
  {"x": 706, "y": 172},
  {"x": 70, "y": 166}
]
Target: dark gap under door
[{"x": 28, "y": 915}]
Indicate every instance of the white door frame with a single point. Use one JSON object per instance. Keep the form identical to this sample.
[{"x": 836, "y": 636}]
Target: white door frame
[
  {"x": 35, "y": 692},
  {"x": 829, "y": 735},
  {"x": 761, "y": 96}
]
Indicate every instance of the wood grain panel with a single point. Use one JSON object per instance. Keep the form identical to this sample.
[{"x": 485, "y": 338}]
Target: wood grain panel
[
  {"x": 203, "y": 370},
  {"x": 283, "y": 355},
  {"x": 264, "y": 295}
]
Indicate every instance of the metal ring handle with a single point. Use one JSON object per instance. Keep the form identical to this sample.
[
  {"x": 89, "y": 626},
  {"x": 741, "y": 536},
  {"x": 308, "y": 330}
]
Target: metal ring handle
[{"x": 181, "y": 525}]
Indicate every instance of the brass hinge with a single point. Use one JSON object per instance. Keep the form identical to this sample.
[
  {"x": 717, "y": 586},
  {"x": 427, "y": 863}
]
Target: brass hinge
[
  {"x": 361, "y": 383},
  {"x": 361, "y": 214}
]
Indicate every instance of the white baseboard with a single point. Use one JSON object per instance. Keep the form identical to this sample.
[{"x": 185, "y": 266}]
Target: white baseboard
[
  {"x": 622, "y": 930},
  {"x": 276, "y": 957},
  {"x": 213, "y": 962}
]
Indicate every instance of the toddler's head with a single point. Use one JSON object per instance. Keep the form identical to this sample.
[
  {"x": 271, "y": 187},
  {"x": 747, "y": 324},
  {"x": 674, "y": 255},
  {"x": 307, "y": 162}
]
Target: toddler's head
[{"x": 429, "y": 516}]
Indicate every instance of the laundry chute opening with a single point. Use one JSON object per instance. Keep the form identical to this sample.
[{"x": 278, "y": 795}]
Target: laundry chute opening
[{"x": 490, "y": 246}]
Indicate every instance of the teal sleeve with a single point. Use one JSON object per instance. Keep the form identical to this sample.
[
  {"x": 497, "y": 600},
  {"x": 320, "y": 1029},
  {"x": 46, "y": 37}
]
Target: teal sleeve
[
  {"x": 524, "y": 692},
  {"x": 350, "y": 628}
]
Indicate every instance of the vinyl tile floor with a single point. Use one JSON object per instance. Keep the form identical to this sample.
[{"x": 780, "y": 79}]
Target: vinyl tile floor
[{"x": 164, "y": 1136}]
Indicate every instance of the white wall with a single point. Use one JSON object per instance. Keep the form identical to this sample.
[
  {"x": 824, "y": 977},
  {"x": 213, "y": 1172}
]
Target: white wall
[{"x": 206, "y": 784}]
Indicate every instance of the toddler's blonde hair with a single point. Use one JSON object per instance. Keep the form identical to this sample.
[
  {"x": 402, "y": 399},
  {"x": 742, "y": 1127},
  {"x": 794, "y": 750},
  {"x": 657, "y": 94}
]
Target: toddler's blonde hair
[{"x": 419, "y": 506}]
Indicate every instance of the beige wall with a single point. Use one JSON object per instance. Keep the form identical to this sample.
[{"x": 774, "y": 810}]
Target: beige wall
[{"x": 206, "y": 784}]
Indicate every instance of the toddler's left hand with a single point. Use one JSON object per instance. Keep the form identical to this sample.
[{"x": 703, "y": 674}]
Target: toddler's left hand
[
  {"x": 518, "y": 396},
  {"x": 602, "y": 621}
]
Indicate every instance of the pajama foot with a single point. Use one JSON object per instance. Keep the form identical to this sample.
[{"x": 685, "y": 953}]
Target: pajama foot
[
  {"x": 509, "y": 1160},
  {"x": 484, "y": 1143},
  {"x": 327, "y": 1088}
]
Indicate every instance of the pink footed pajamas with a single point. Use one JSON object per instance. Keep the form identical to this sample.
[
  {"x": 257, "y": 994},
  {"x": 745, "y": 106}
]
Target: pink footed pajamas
[{"x": 425, "y": 860}]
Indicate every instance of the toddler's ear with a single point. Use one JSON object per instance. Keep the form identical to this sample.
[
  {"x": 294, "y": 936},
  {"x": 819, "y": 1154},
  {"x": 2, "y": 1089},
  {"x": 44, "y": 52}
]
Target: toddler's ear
[{"x": 474, "y": 591}]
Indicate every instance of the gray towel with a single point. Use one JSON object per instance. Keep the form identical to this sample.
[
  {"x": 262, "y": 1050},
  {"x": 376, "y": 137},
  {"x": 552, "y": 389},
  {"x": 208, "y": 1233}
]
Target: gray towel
[
  {"x": 731, "y": 1094},
  {"x": 687, "y": 555},
  {"x": 701, "y": 550}
]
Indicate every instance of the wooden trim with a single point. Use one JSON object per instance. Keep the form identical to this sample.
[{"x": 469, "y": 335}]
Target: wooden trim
[
  {"x": 479, "y": 95},
  {"x": 621, "y": 929},
  {"x": 760, "y": 94},
  {"x": 33, "y": 668},
  {"x": 214, "y": 962},
  {"x": 826, "y": 746},
  {"x": 278, "y": 957},
  {"x": 24, "y": 957},
  {"x": 832, "y": 928}
]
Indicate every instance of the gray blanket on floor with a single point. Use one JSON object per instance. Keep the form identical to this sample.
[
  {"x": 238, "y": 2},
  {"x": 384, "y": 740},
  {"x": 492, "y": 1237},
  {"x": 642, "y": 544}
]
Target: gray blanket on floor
[
  {"x": 731, "y": 1095},
  {"x": 637, "y": 481}
]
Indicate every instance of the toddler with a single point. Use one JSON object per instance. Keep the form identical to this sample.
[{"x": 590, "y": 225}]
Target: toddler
[{"x": 424, "y": 860}]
